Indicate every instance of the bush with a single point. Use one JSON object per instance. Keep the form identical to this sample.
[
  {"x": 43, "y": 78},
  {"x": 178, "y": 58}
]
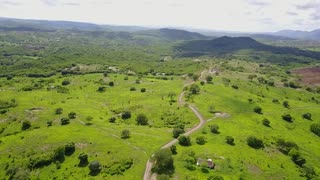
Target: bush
[
  {"x": 49, "y": 123},
  {"x": 83, "y": 157},
  {"x": 112, "y": 119},
  {"x": 72, "y": 115},
  {"x": 58, "y": 111},
  {"x": 275, "y": 100},
  {"x": 95, "y": 166},
  {"x": 315, "y": 128},
  {"x": 235, "y": 87},
  {"x": 111, "y": 83},
  {"x": 101, "y": 89},
  {"x": 286, "y": 104},
  {"x": 126, "y": 115},
  {"x": 201, "y": 140},
  {"x": 202, "y": 83},
  {"x": 133, "y": 89},
  {"x": 143, "y": 90},
  {"x": 184, "y": 141},
  {"x": 125, "y": 134},
  {"x": 296, "y": 157},
  {"x": 230, "y": 140},
  {"x": 70, "y": 148},
  {"x": 177, "y": 131},
  {"x": 25, "y": 125},
  {"x": 204, "y": 170},
  {"x": 194, "y": 89},
  {"x": 286, "y": 146},
  {"x": 307, "y": 116},
  {"x": 163, "y": 177},
  {"x": 142, "y": 119},
  {"x": 163, "y": 162},
  {"x": 209, "y": 78},
  {"x": 287, "y": 117},
  {"x": 58, "y": 154},
  {"x": 216, "y": 177},
  {"x": 257, "y": 110},
  {"x": 65, "y": 82},
  {"x": 64, "y": 121},
  {"x": 214, "y": 129},
  {"x": 266, "y": 122},
  {"x": 254, "y": 142},
  {"x": 173, "y": 149}
]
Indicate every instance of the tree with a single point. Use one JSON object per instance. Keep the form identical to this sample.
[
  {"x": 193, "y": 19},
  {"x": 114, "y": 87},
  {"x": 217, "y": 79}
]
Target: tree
[
  {"x": 173, "y": 149},
  {"x": 184, "y": 141},
  {"x": 296, "y": 157},
  {"x": 315, "y": 128},
  {"x": 257, "y": 110},
  {"x": 214, "y": 128},
  {"x": 58, "y": 111},
  {"x": 142, "y": 119},
  {"x": 126, "y": 115},
  {"x": 195, "y": 77},
  {"x": 202, "y": 83},
  {"x": 70, "y": 148},
  {"x": 94, "y": 166},
  {"x": 72, "y": 115},
  {"x": 209, "y": 79},
  {"x": 177, "y": 131},
  {"x": 201, "y": 140},
  {"x": 25, "y": 125},
  {"x": 64, "y": 121},
  {"x": 163, "y": 162},
  {"x": 307, "y": 116},
  {"x": 286, "y": 104},
  {"x": 266, "y": 122},
  {"x": 254, "y": 142},
  {"x": 143, "y": 90},
  {"x": 58, "y": 154},
  {"x": 125, "y": 134},
  {"x": 287, "y": 117},
  {"x": 230, "y": 140},
  {"x": 194, "y": 89},
  {"x": 83, "y": 157}
]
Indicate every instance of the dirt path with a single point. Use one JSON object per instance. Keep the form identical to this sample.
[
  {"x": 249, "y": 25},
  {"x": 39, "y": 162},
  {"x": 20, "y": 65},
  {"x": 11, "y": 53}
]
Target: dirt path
[{"x": 147, "y": 174}]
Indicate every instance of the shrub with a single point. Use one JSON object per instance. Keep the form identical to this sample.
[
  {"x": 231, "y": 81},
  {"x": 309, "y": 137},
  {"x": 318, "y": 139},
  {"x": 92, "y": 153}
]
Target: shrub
[
  {"x": 204, "y": 170},
  {"x": 286, "y": 146},
  {"x": 163, "y": 162},
  {"x": 202, "y": 83},
  {"x": 286, "y": 104},
  {"x": 143, "y": 90},
  {"x": 194, "y": 89},
  {"x": 173, "y": 149},
  {"x": 296, "y": 157},
  {"x": 83, "y": 157},
  {"x": 209, "y": 78},
  {"x": 184, "y": 141},
  {"x": 111, "y": 83},
  {"x": 133, "y": 89},
  {"x": 142, "y": 119},
  {"x": 266, "y": 122},
  {"x": 235, "y": 87},
  {"x": 70, "y": 148},
  {"x": 58, "y": 111},
  {"x": 201, "y": 140},
  {"x": 214, "y": 129},
  {"x": 254, "y": 142},
  {"x": 101, "y": 89},
  {"x": 58, "y": 154},
  {"x": 230, "y": 140},
  {"x": 315, "y": 128},
  {"x": 216, "y": 177},
  {"x": 112, "y": 119},
  {"x": 126, "y": 115},
  {"x": 275, "y": 100},
  {"x": 257, "y": 110},
  {"x": 177, "y": 131},
  {"x": 307, "y": 116},
  {"x": 125, "y": 134},
  {"x": 25, "y": 125},
  {"x": 65, "y": 82},
  {"x": 287, "y": 117},
  {"x": 163, "y": 177},
  {"x": 49, "y": 123},
  {"x": 72, "y": 115},
  {"x": 95, "y": 166},
  {"x": 64, "y": 121}
]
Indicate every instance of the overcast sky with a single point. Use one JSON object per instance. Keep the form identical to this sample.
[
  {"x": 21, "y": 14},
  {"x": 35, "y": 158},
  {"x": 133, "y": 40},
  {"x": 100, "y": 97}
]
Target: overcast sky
[{"x": 234, "y": 15}]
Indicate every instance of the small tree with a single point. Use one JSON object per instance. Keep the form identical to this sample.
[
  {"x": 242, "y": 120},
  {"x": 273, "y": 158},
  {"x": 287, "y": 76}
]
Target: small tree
[
  {"x": 142, "y": 119},
  {"x": 177, "y": 131},
  {"x": 230, "y": 140},
  {"x": 65, "y": 82},
  {"x": 194, "y": 89},
  {"x": 286, "y": 104},
  {"x": 126, "y": 115},
  {"x": 315, "y": 128},
  {"x": 143, "y": 90},
  {"x": 111, "y": 83},
  {"x": 209, "y": 78},
  {"x": 173, "y": 149},
  {"x": 58, "y": 111},
  {"x": 184, "y": 141},
  {"x": 83, "y": 157},
  {"x": 125, "y": 134},
  {"x": 94, "y": 166},
  {"x": 133, "y": 89},
  {"x": 201, "y": 140},
  {"x": 163, "y": 162},
  {"x": 25, "y": 125},
  {"x": 64, "y": 121},
  {"x": 72, "y": 115},
  {"x": 266, "y": 122},
  {"x": 112, "y": 119},
  {"x": 70, "y": 148},
  {"x": 101, "y": 89},
  {"x": 214, "y": 129},
  {"x": 287, "y": 117},
  {"x": 257, "y": 110},
  {"x": 254, "y": 142},
  {"x": 307, "y": 116},
  {"x": 296, "y": 157},
  {"x": 195, "y": 77}
]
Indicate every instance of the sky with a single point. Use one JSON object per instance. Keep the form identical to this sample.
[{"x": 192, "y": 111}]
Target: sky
[{"x": 229, "y": 15}]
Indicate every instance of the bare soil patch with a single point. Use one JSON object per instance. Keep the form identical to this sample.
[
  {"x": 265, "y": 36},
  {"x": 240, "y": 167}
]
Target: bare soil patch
[{"x": 310, "y": 76}]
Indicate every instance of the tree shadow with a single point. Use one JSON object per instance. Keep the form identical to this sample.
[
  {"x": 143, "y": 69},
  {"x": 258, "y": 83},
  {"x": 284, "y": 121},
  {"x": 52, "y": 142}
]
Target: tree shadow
[
  {"x": 95, "y": 173},
  {"x": 83, "y": 164}
]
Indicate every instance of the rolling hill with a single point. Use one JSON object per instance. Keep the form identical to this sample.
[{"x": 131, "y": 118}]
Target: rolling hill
[{"x": 311, "y": 35}]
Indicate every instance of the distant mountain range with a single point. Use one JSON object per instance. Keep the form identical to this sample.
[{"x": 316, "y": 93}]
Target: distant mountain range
[
  {"x": 228, "y": 45},
  {"x": 311, "y": 35}
]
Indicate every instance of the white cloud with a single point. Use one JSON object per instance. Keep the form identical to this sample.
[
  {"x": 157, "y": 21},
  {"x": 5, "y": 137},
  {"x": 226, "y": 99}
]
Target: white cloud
[{"x": 237, "y": 15}]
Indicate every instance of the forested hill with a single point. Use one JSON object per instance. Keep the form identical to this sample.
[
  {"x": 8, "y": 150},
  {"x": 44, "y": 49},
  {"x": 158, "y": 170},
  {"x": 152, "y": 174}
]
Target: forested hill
[{"x": 226, "y": 45}]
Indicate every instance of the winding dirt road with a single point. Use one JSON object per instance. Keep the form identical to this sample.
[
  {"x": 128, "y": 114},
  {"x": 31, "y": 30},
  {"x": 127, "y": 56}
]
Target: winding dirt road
[{"x": 147, "y": 173}]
